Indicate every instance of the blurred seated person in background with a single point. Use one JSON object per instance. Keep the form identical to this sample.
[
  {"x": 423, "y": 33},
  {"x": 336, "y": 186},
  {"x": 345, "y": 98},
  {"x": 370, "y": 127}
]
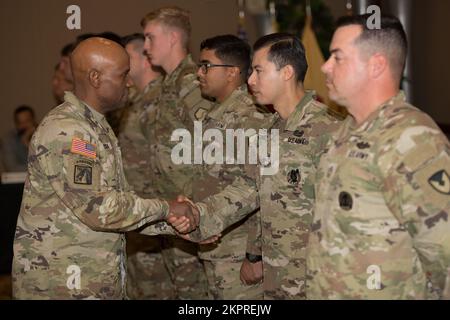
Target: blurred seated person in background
[
  {"x": 14, "y": 147},
  {"x": 60, "y": 84}
]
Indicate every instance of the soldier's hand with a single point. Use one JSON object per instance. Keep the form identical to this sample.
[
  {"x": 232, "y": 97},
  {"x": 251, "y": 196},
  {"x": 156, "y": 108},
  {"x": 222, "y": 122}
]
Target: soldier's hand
[
  {"x": 183, "y": 198},
  {"x": 180, "y": 210},
  {"x": 251, "y": 273},
  {"x": 181, "y": 224}
]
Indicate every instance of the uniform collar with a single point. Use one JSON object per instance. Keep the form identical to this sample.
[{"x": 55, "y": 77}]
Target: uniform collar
[
  {"x": 294, "y": 119},
  {"x": 152, "y": 83},
  {"x": 135, "y": 96},
  {"x": 377, "y": 115},
  {"x": 87, "y": 111},
  {"x": 187, "y": 62},
  {"x": 221, "y": 108}
]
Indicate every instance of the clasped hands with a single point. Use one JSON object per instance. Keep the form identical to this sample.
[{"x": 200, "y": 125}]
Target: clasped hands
[
  {"x": 183, "y": 215},
  {"x": 185, "y": 218}
]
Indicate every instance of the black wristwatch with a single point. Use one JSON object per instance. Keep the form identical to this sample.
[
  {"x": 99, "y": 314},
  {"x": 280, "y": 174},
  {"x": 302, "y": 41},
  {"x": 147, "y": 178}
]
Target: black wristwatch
[{"x": 253, "y": 258}]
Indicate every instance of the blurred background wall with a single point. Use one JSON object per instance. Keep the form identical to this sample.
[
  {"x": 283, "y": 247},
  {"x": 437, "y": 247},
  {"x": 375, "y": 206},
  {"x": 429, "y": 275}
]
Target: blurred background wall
[{"x": 33, "y": 33}]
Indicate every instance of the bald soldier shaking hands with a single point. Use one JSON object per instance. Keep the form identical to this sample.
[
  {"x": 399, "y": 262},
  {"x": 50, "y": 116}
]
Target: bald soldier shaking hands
[{"x": 76, "y": 202}]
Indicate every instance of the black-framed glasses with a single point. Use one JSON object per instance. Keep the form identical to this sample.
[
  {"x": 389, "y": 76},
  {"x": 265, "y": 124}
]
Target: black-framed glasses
[{"x": 204, "y": 66}]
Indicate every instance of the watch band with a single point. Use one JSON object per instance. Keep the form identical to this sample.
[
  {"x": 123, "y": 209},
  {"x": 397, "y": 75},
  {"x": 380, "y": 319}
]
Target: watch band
[{"x": 253, "y": 258}]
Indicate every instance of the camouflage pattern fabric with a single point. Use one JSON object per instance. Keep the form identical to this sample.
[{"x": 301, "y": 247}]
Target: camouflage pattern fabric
[
  {"x": 179, "y": 104},
  {"x": 223, "y": 260},
  {"x": 75, "y": 197},
  {"x": 285, "y": 199},
  {"x": 381, "y": 227},
  {"x": 147, "y": 276}
]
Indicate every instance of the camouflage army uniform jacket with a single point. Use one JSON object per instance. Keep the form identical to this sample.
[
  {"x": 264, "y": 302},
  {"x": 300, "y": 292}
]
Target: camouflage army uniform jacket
[
  {"x": 178, "y": 106},
  {"x": 136, "y": 153},
  {"x": 75, "y": 194},
  {"x": 236, "y": 112},
  {"x": 381, "y": 227},
  {"x": 285, "y": 199}
]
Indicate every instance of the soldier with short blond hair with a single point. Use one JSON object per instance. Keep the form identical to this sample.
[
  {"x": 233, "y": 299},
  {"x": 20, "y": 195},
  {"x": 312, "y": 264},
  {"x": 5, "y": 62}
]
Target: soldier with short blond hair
[{"x": 167, "y": 32}]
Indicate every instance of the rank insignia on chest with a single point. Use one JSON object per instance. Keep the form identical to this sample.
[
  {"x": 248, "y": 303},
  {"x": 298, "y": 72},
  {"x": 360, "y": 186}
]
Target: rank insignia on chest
[
  {"x": 83, "y": 148},
  {"x": 440, "y": 181}
]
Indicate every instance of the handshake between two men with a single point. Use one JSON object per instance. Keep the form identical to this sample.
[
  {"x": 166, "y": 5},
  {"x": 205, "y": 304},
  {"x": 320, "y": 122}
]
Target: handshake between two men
[{"x": 184, "y": 217}]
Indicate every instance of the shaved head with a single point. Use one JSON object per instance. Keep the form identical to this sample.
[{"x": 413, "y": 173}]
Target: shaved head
[{"x": 100, "y": 68}]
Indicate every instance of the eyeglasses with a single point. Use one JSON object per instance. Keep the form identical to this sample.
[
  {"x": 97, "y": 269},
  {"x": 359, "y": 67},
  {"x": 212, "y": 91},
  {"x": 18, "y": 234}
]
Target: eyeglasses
[{"x": 204, "y": 66}]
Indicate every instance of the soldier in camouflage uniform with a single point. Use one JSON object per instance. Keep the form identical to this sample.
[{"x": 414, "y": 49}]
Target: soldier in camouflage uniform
[
  {"x": 148, "y": 277},
  {"x": 286, "y": 196},
  {"x": 76, "y": 194},
  {"x": 381, "y": 227},
  {"x": 167, "y": 32},
  {"x": 224, "y": 61}
]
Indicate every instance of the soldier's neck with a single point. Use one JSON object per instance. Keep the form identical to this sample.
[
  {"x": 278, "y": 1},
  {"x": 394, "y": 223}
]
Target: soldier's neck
[
  {"x": 369, "y": 103},
  {"x": 226, "y": 92},
  {"x": 89, "y": 100},
  {"x": 145, "y": 80},
  {"x": 176, "y": 58},
  {"x": 288, "y": 101}
]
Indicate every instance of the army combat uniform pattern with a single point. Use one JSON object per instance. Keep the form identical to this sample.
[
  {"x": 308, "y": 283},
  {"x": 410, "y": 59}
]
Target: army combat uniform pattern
[
  {"x": 75, "y": 195},
  {"x": 147, "y": 276},
  {"x": 381, "y": 227},
  {"x": 285, "y": 199},
  {"x": 178, "y": 106},
  {"x": 224, "y": 259}
]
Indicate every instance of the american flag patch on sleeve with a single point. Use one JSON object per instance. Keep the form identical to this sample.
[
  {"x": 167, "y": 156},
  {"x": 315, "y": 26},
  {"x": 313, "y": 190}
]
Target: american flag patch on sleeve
[{"x": 83, "y": 148}]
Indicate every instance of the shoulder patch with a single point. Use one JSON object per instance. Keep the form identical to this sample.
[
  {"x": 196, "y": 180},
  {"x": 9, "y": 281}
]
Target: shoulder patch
[
  {"x": 82, "y": 173},
  {"x": 440, "y": 181},
  {"x": 83, "y": 148}
]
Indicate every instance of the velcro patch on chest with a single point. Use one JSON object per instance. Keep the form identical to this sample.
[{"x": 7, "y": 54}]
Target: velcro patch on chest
[
  {"x": 356, "y": 154},
  {"x": 361, "y": 152},
  {"x": 296, "y": 140},
  {"x": 298, "y": 137},
  {"x": 200, "y": 114}
]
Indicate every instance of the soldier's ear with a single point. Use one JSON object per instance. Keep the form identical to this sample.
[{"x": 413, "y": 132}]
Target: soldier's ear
[
  {"x": 233, "y": 73},
  {"x": 174, "y": 37},
  {"x": 288, "y": 72},
  {"x": 94, "y": 78},
  {"x": 378, "y": 64}
]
